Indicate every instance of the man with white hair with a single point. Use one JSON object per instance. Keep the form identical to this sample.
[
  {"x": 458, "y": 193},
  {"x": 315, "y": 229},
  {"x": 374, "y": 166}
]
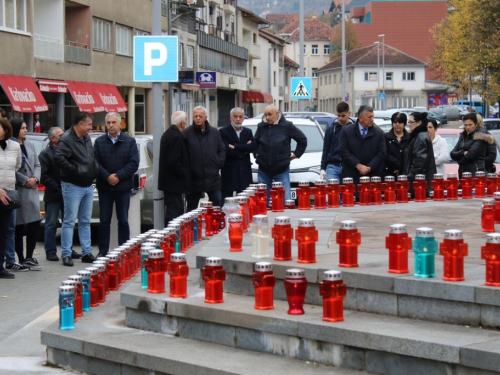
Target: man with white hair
[
  {"x": 236, "y": 174},
  {"x": 118, "y": 158},
  {"x": 206, "y": 157},
  {"x": 173, "y": 178}
]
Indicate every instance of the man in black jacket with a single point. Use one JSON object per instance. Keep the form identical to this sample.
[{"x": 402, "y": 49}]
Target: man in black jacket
[
  {"x": 118, "y": 158},
  {"x": 206, "y": 157},
  {"x": 236, "y": 175},
  {"x": 52, "y": 195},
  {"x": 173, "y": 179},
  {"x": 362, "y": 147},
  {"x": 74, "y": 157},
  {"x": 274, "y": 136}
]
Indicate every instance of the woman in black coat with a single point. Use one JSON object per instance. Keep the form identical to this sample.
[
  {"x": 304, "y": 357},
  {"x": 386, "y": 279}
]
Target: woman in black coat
[
  {"x": 470, "y": 150},
  {"x": 396, "y": 141},
  {"x": 419, "y": 155}
]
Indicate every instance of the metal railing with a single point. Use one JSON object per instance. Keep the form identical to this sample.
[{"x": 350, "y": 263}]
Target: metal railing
[
  {"x": 220, "y": 45},
  {"x": 77, "y": 52},
  {"x": 47, "y": 47}
]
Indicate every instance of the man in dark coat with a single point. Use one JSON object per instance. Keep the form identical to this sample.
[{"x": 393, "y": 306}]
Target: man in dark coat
[
  {"x": 362, "y": 147},
  {"x": 206, "y": 157},
  {"x": 236, "y": 174},
  {"x": 173, "y": 179},
  {"x": 118, "y": 158},
  {"x": 52, "y": 195},
  {"x": 274, "y": 136}
]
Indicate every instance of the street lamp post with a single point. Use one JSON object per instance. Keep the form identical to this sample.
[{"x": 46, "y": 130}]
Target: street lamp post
[
  {"x": 378, "y": 68},
  {"x": 383, "y": 65},
  {"x": 344, "y": 89}
]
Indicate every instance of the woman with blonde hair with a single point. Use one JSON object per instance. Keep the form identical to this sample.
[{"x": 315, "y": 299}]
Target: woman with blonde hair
[{"x": 491, "y": 149}]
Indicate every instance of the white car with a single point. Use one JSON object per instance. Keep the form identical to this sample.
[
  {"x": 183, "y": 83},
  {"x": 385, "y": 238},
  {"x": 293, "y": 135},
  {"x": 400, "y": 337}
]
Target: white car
[{"x": 308, "y": 166}]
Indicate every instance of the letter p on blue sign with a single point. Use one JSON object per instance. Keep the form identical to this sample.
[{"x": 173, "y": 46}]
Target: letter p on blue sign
[{"x": 156, "y": 59}]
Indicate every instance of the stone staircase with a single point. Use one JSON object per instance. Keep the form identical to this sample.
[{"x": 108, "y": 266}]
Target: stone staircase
[{"x": 394, "y": 324}]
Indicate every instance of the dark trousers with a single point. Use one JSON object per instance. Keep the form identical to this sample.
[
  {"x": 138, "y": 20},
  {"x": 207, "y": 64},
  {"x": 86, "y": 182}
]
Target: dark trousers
[
  {"x": 193, "y": 199},
  {"x": 174, "y": 206},
  {"x": 52, "y": 210},
  {"x": 5, "y": 217},
  {"x": 29, "y": 230},
  {"x": 121, "y": 201}
]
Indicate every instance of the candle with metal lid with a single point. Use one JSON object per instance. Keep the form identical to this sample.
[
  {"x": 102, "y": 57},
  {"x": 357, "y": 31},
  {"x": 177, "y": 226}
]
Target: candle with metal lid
[
  {"x": 66, "y": 307},
  {"x": 376, "y": 195},
  {"x": 364, "y": 191},
  {"x": 402, "y": 186},
  {"x": 214, "y": 276},
  {"x": 491, "y": 184},
  {"x": 452, "y": 186},
  {"x": 261, "y": 195},
  {"x": 389, "y": 187},
  {"x": 306, "y": 236},
  {"x": 398, "y": 243},
  {"x": 156, "y": 267},
  {"x": 454, "y": 250},
  {"x": 295, "y": 288},
  {"x": 333, "y": 290},
  {"x": 277, "y": 197},
  {"x": 94, "y": 286},
  {"x": 235, "y": 222},
  {"x": 333, "y": 193},
  {"x": 179, "y": 271},
  {"x": 348, "y": 189},
  {"x": 420, "y": 188},
  {"x": 282, "y": 233},
  {"x": 304, "y": 195},
  {"x": 348, "y": 238},
  {"x": 491, "y": 253},
  {"x": 86, "y": 289},
  {"x": 78, "y": 294},
  {"x": 320, "y": 195},
  {"x": 480, "y": 184},
  {"x": 488, "y": 215},
  {"x": 74, "y": 284},
  {"x": 467, "y": 183},
  {"x": 264, "y": 281},
  {"x": 425, "y": 248},
  {"x": 259, "y": 232}
]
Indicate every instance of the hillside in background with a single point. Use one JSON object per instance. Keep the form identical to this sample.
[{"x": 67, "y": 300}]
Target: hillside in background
[{"x": 280, "y": 6}]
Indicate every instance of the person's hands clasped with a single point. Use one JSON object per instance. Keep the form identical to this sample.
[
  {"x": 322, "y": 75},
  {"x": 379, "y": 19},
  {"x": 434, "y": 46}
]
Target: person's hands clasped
[
  {"x": 363, "y": 169},
  {"x": 113, "y": 179},
  {"x": 31, "y": 183}
]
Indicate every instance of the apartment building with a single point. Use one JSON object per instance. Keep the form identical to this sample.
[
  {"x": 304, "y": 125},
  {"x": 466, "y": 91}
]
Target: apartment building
[{"x": 403, "y": 83}]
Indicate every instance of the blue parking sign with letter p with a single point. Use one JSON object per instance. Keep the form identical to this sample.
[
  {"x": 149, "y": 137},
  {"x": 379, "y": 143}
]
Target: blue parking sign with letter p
[{"x": 156, "y": 59}]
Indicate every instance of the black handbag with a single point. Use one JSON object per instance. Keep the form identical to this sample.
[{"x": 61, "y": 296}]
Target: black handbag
[{"x": 15, "y": 200}]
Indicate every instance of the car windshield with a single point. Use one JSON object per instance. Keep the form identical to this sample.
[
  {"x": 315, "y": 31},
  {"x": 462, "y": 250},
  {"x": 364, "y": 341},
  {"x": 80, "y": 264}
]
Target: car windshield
[
  {"x": 313, "y": 134},
  {"x": 452, "y": 139}
]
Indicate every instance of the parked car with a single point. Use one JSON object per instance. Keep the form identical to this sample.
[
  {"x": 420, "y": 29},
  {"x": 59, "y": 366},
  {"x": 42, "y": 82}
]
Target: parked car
[
  {"x": 489, "y": 124},
  {"x": 308, "y": 166},
  {"x": 452, "y": 112},
  {"x": 451, "y": 136},
  {"x": 440, "y": 118},
  {"x": 143, "y": 178},
  {"x": 324, "y": 119}
]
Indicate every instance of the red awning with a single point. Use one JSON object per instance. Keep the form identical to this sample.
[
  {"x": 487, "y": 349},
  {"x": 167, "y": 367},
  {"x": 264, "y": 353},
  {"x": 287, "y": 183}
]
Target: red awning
[
  {"x": 85, "y": 97},
  {"x": 110, "y": 97},
  {"x": 256, "y": 97},
  {"x": 47, "y": 85},
  {"x": 23, "y": 94}
]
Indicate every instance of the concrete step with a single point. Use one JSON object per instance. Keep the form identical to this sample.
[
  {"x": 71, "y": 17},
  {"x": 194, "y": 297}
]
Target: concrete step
[
  {"x": 101, "y": 344},
  {"x": 364, "y": 341},
  {"x": 370, "y": 287}
]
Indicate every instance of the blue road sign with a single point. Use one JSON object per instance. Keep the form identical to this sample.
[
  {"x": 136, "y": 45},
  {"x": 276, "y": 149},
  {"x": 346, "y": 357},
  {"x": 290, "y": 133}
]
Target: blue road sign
[
  {"x": 381, "y": 97},
  {"x": 156, "y": 59},
  {"x": 301, "y": 88}
]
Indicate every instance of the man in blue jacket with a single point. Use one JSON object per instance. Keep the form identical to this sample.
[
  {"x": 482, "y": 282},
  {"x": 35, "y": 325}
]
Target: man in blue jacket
[
  {"x": 362, "y": 147},
  {"x": 274, "y": 136},
  {"x": 118, "y": 159},
  {"x": 236, "y": 175},
  {"x": 331, "y": 162}
]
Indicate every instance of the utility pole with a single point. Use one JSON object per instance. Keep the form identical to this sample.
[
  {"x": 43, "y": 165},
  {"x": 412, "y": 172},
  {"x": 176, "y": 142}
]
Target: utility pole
[
  {"x": 301, "y": 42},
  {"x": 383, "y": 66},
  {"x": 343, "y": 53}
]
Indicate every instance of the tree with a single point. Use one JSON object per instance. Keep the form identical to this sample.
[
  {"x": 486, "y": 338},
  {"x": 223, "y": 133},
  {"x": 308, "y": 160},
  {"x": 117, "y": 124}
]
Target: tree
[
  {"x": 467, "y": 47},
  {"x": 351, "y": 40}
]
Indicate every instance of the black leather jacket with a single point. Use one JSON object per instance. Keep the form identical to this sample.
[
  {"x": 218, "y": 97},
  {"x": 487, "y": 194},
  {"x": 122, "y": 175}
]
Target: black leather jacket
[
  {"x": 473, "y": 161},
  {"x": 75, "y": 158}
]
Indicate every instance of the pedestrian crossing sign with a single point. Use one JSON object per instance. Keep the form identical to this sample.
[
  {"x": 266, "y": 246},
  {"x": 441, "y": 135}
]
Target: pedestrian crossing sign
[{"x": 301, "y": 88}]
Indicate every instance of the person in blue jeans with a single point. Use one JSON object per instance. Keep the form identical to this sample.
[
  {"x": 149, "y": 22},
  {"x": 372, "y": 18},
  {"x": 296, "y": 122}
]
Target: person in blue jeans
[
  {"x": 118, "y": 158},
  {"x": 52, "y": 195},
  {"x": 74, "y": 157},
  {"x": 331, "y": 162},
  {"x": 273, "y": 155}
]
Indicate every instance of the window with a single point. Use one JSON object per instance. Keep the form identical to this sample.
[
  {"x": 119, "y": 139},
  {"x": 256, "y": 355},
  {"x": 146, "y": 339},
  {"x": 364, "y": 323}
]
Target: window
[
  {"x": 123, "y": 40},
  {"x": 321, "y": 81},
  {"x": 305, "y": 52},
  {"x": 330, "y": 79},
  {"x": 140, "y": 32},
  {"x": 408, "y": 76},
  {"x": 349, "y": 77},
  {"x": 314, "y": 49},
  {"x": 101, "y": 35},
  {"x": 334, "y": 78},
  {"x": 388, "y": 76},
  {"x": 13, "y": 14},
  {"x": 274, "y": 78},
  {"x": 274, "y": 55},
  {"x": 190, "y": 56},
  {"x": 181, "y": 54},
  {"x": 314, "y": 72},
  {"x": 370, "y": 76},
  {"x": 326, "y": 49}
]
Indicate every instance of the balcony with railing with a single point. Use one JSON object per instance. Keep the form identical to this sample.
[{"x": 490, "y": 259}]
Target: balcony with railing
[
  {"x": 229, "y": 5},
  {"x": 47, "y": 47},
  {"x": 255, "y": 51},
  {"x": 254, "y": 84},
  {"x": 77, "y": 53},
  {"x": 218, "y": 44}
]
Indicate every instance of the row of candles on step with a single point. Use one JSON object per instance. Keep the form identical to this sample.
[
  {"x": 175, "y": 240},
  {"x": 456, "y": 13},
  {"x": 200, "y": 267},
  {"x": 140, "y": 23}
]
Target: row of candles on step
[
  {"x": 88, "y": 289},
  {"x": 395, "y": 191}
]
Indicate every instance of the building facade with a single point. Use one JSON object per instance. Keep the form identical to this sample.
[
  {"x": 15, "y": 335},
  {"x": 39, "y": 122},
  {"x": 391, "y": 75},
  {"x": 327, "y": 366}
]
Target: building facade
[{"x": 404, "y": 82}]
